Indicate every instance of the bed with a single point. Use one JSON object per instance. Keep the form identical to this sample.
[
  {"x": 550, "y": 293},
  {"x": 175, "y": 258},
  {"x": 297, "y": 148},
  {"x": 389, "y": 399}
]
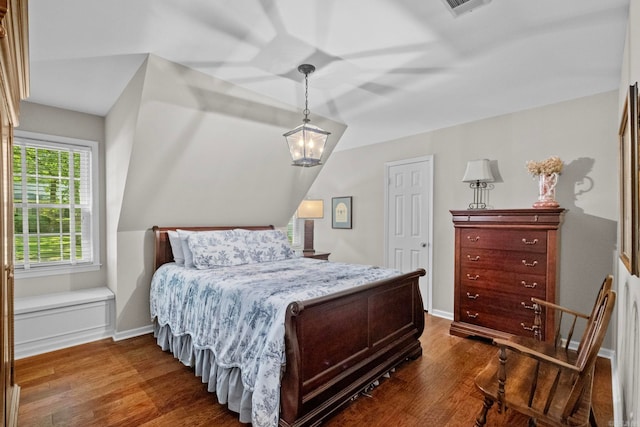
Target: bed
[{"x": 329, "y": 337}]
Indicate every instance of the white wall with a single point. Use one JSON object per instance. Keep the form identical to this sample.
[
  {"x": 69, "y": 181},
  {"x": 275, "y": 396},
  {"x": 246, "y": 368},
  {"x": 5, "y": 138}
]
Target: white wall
[
  {"x": 55, "y": 121},
  {"x": 583, "y": 132},
  {"x": 120, "y": 130}
]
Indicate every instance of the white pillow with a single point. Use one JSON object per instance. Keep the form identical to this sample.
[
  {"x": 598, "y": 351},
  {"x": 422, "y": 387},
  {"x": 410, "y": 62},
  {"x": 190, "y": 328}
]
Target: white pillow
[
  {"x": 188, "y": 256},
  {"x": 176, "y": 247}
]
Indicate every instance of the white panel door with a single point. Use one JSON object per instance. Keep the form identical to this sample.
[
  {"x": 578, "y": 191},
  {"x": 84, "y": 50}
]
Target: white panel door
[{"x": 408, "y": 216}]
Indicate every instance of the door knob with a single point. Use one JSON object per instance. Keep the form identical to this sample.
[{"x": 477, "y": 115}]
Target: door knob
[{"x": 423, "y": 244}]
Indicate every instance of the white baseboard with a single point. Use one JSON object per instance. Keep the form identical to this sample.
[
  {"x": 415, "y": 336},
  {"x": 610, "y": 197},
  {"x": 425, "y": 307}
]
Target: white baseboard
[
  {"x": 51, "y": 322},
  {"x": 443, "y": 314},
  {"x": 123, "y": 335},
  {"x": 606, "y": 353}
]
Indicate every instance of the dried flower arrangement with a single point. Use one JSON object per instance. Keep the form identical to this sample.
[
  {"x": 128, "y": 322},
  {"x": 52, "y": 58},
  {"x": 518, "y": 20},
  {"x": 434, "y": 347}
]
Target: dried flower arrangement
[{"x": 545, "y": 167}]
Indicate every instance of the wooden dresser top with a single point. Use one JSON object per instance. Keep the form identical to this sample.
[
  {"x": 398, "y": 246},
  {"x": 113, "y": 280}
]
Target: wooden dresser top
[{"x": 509, "y": 216}]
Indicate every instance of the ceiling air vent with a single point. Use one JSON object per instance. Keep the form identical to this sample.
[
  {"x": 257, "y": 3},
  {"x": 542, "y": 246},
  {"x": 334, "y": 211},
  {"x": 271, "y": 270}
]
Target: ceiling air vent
[{"x": 459, "y": 7}]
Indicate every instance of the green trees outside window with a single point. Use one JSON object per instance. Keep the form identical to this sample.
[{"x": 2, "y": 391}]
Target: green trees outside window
[{"x": 52, "y": 203}]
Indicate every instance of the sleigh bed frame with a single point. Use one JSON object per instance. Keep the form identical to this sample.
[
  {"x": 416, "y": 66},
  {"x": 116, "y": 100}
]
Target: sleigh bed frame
[{"x": 339, "y": 344}]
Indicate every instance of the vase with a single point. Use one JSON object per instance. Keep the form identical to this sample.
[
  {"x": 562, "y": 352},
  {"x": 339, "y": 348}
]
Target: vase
[{"x": 547, "y": 191}]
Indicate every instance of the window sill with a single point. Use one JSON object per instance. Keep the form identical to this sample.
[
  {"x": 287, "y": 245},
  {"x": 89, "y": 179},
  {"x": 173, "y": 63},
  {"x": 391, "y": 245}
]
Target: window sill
[{"x": 52, "y": 271}]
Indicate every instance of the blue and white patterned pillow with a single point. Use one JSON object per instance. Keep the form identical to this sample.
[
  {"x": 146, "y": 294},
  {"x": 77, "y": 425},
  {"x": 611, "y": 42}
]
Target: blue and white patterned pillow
[
  {"x": 220, "y": 248},
  {"x": 268, "y": 245}
]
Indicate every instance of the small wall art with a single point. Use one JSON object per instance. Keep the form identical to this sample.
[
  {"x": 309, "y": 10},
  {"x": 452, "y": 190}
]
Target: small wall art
[{"x": 341, "y": 212}]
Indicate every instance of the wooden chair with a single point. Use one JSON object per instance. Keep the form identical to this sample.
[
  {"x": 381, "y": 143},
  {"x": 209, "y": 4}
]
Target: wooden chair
[
  {"x": 565, "y": 319},
  {"x": 552, "y": 390}
]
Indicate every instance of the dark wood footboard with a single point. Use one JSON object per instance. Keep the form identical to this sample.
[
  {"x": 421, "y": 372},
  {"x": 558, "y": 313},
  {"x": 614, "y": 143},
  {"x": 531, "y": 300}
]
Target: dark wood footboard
[{"x": 339, "y": 344}]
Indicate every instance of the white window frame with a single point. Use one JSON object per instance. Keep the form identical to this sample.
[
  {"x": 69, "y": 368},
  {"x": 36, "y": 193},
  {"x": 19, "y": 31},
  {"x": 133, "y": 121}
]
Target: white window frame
[
  {"x": 56, "y": 142},
  {"x": 297, "y": 233}
]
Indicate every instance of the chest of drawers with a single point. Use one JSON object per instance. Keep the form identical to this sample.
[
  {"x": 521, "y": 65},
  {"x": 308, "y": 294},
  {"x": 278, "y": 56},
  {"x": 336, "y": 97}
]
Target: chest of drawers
[{"x": 503, "y": 257}]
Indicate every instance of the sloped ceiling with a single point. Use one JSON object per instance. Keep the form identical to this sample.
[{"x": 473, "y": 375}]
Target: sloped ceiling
[
  {"x": 203, "y": 151},
  {"x": 386, "y": 68}
]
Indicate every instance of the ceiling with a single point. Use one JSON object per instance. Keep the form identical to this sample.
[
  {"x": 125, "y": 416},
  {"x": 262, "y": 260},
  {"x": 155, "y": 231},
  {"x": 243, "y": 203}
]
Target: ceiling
[{"x": 385, "y": 68}]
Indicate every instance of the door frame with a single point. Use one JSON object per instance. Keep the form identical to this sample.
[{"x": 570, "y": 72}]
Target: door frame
[{"x": 429, "y": 276}]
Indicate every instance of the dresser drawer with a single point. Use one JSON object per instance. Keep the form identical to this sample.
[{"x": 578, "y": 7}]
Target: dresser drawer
[
  {"x": 476, "y": 260},
  {"x": 511, "y": 240},
  {"x": 509, "y": 313},
  {"x": 506, "y": 302},
  {"x": 513, "y": 323},
  {"x": 527, "y": 285},
  {"x": 490, "y": 291}
]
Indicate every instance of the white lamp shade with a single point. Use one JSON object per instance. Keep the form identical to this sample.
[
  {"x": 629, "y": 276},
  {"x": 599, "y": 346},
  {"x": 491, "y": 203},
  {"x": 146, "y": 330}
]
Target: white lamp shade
[
  {"x": 306, "y": 144},
  {"x": 478, "y": 170},
  {"x": 311, "y": 209}
]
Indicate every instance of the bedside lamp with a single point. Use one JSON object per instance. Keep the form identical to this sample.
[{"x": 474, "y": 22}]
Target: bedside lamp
[
  {"x": 310, "y": 210},
  {"x": 478, "y": 173}
]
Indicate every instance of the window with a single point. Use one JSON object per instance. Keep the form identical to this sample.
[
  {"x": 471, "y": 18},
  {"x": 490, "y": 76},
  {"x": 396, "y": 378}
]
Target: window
[
  {"x": 294, "y": 231},
  {"x": 55, "y": 204}
]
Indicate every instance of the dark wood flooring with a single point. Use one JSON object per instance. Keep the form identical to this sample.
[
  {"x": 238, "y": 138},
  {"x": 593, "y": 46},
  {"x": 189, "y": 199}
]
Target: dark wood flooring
[{"x": 134, "y": 383}]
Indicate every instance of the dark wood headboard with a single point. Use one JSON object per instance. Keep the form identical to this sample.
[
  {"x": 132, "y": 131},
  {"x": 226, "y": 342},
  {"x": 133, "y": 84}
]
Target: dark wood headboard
[{"x": 163, "y": 253}]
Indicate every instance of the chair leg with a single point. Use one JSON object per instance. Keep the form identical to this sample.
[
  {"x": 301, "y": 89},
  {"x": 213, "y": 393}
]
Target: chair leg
[
  {"x": 533, "y": 422},
  {"x": 482, "y": 416}
]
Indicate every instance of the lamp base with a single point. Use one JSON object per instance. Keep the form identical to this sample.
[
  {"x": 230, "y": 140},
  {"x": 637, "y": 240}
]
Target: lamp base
[
  {"x": 308, "y": 236},
  {"x": 478, "y": 203}
]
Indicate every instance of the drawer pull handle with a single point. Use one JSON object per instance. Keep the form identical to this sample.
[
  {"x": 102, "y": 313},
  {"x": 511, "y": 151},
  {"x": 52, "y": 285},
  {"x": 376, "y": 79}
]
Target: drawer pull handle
[
  {"x": 473, "y": 239},
  {"x": 475, "y": 258},
  {"x": 529, "y": 264},
  {"x": 470, "y": 277},
  {"x": 529, "y": 328},
  {"x": 531, "y": 286},
  {"x": 529, "y": 242},
  {"x": 472, "y": 316},
  {"x": 473, "y": 296},
  {"x": 528, "y": 307}
]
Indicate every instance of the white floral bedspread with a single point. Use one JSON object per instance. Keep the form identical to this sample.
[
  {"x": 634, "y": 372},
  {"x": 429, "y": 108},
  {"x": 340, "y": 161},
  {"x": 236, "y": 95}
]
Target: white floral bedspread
[{"x": 238, "y": 313}]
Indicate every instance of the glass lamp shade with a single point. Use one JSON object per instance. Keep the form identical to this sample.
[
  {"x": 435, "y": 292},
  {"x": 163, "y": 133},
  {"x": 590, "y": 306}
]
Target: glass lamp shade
[{"x": 306, "y": 144}]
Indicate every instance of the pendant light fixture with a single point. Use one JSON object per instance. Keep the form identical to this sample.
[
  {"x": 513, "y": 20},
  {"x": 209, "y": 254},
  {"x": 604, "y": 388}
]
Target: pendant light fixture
[{"x": 306, "y": 142}]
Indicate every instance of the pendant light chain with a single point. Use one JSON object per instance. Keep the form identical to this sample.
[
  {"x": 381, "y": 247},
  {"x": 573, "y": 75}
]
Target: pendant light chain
[{"x": 306, "y": 98}]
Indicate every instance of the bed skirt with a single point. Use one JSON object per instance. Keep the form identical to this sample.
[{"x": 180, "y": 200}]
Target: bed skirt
[{"x": 226, "y": 383}]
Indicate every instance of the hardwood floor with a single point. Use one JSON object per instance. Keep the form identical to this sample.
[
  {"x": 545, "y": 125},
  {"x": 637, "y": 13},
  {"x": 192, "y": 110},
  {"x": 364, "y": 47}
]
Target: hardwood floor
[{"x": 134, "y": 383}]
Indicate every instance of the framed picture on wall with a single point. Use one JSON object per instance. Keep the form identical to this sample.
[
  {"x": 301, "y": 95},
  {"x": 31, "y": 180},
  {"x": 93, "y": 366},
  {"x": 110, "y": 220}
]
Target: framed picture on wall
[
  {"x": 628, "y": 170},
  {"x": 341, "y": 212}
]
